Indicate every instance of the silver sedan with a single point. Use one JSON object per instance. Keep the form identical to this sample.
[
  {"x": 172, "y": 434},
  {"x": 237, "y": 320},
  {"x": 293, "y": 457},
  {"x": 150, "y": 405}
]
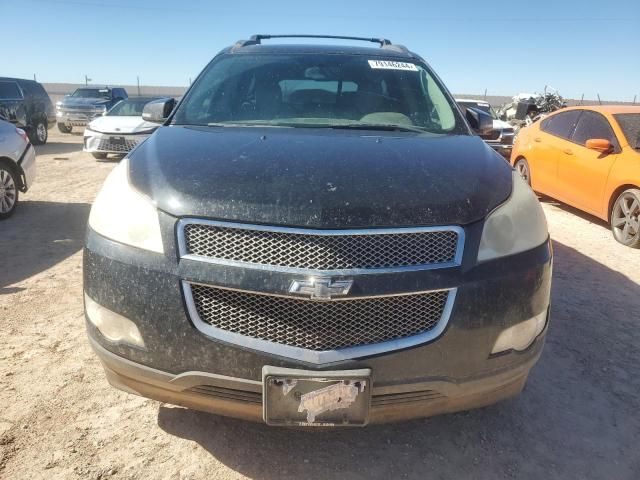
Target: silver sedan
[{"x": 17, "y": 166}]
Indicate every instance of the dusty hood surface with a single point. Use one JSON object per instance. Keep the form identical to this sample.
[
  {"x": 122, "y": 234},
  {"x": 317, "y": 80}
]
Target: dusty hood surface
[
  {"x": 121, "y": 124},
  {"x": 320, "y": 177}
]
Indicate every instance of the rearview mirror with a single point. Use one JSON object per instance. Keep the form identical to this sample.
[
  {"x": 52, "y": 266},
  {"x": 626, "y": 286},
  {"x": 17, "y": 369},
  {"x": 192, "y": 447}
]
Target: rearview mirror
[
  {"x": 158, "y": 111},
  {"x": 599, "y": 145},
  {"x": 480, "y": 121}
]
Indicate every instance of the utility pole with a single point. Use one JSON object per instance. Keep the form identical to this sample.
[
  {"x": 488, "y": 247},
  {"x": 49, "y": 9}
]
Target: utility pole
[
  {"x": 138, "y": 79},
  {"x": 582, "y": 99},
  {"x": 485, "y": 93},
  {"x": 87, "y": 80},
  {"x": 634, "y": 99},
  {"x": 599, "y": 101},
  {"x": 34, "y": 77}
]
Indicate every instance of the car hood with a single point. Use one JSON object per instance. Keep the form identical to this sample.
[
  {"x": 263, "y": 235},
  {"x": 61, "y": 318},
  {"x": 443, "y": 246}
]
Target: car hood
[
  {"x": 501, "y": 124},
  {"x": 320, "y": 178},
  {"x": 83, "y": 102},
  {"x": 120, "y": 124}
]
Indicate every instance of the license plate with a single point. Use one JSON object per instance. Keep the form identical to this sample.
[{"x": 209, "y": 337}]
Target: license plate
[
  {"x": 117, "y": 140},
  {"x": 316, "y": 399}
]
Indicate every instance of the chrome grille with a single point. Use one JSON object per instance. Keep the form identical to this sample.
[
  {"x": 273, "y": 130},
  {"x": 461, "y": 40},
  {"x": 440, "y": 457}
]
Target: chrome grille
[
  {"x": 107, "y": 146},
  {"x": 321, "y": 250},
  {"x": 317, "y": 325}
]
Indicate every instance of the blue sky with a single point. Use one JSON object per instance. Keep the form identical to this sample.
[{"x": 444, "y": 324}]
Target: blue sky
[{"x": 506, "y": 47}]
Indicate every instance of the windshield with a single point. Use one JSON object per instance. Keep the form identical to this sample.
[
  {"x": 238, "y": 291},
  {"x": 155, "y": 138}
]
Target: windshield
[
  {"x": 630, "y": 125},
  {"x": 131, "y": 107},
  {"x": 92, "y": 93},
  {"x": 318, "y": 91}
]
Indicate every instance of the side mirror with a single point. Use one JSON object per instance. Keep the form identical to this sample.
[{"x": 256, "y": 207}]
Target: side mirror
[
  {"x": 599, "y": 145},
  {"x": 480, "y": 121},
  {"x": 158, "y": 111}
]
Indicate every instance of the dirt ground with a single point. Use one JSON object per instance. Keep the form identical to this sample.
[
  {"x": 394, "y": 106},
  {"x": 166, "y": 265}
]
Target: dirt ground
[{"x": 577, "y": 418}]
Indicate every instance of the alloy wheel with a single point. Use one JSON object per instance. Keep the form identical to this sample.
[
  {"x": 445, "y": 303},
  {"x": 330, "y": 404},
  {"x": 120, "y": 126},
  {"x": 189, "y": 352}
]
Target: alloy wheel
[
  {"x": 7, "y": 191},
  {"x": 41, "y": 132},
  {"x": 625, "y": 218},
  {"x": 523, "y": 170}
]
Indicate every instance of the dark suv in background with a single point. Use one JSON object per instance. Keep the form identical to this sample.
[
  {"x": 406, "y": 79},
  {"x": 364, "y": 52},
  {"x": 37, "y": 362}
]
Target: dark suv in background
[
  {"x": 26, "y": 104},
  {"x": 85, "y": 104}
]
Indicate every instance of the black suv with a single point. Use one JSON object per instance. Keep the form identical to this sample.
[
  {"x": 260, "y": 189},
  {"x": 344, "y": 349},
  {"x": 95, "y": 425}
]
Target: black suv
[
  {"x": 316, "y": 237},
  {"x": 26, "y": 104},
  {"x": 85, "y": 104}
]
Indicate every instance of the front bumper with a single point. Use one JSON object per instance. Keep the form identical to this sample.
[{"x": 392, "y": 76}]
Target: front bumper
[
  {"x": 181, "y": 365},
  {"x": 242, "y": 398},
  {"x": 501, "y": 148},
  {"x": 77, "y": 118},
  {"x": 114, "y": 143},
  {"x": 27, "y": 164}
]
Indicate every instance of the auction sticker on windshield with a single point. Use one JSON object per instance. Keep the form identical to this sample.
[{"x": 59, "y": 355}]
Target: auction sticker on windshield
[{"x": 391, "y": 65}]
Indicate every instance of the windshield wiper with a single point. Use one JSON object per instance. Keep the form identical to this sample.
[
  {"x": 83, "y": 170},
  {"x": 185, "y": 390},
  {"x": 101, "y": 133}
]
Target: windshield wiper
[
  {"x": 243, "y": 124},
  {"x": 382, "y": 127}
]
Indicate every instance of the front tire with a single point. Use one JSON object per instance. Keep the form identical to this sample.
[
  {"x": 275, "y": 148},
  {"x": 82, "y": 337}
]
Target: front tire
[
  {"x": 39, "y": 133},
  {"x": 522, "y": 167},
  {"x": 99, "y": 156},
  {"x": 625, "y": 218},
  {"x": 8, "y": 191},
  {"x": 64, "y": 129}
]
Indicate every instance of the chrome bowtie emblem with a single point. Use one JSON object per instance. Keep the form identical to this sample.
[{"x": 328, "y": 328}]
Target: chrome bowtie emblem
[{"x": 321, "y": 288}]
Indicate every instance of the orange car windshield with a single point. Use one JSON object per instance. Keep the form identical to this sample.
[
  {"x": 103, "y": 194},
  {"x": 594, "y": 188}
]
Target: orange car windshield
[{"x": 630, "y": 125}]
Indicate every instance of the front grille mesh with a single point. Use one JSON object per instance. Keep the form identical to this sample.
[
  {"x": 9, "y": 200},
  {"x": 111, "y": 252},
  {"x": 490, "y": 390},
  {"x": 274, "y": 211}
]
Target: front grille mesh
[
  {"x": 317, "y": 325},
  {"x": 321, "y": 252},
  {"x": 107, "y": 146}
]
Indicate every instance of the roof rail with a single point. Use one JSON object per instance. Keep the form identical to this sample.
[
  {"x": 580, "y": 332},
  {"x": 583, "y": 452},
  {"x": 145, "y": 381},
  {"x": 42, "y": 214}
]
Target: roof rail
[{"x": 257, "y": 40}]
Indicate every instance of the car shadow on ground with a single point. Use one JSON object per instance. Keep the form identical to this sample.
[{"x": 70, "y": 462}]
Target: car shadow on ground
[
  {"x": 58, "y": 148},
  {"x": 38, "y": 236},
  {"x": 574, "y": 211},
  {"x": 577, "y": 417}
]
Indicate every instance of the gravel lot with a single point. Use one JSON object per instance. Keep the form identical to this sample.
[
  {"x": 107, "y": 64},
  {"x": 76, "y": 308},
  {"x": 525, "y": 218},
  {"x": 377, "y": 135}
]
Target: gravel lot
[{"x": 577, "y": 418}]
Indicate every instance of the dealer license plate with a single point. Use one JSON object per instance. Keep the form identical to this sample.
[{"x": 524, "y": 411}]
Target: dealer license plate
[{"x": 316, "y": 399}]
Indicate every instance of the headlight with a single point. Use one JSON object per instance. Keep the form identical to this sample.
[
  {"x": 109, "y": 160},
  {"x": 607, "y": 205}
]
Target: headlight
[
  {"x": 125, "y": 215},
  {"x": 521, "y": 335},
  {"x": 515, "y": 226}
]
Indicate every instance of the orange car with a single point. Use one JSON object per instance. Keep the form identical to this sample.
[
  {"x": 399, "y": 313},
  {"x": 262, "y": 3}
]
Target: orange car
[{"x": 588, "y": 157}]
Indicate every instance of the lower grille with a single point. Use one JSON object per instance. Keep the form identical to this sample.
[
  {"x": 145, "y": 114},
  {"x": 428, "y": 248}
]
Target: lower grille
[
  {"x": 376, "y": 401},
  {"x": 318, "y": 326},
  {"x": 107, "y": 145},
  {"x": 228, "y": 394},
  {"x": 406, "y": 397},
  {"x": 493, "y": 135}
]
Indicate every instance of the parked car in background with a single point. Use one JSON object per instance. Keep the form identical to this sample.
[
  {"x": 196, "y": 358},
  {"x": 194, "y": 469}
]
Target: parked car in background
[
  {"x": 17, "y": 166},
  {"x": 589, "y": 158},
  {"x": 27, "y": 105},
  {"x": 85, "y": 104},
  {"x": 120, "y": 129},
  {"x": 316, "y": 237},
  {"x": 501, "y": 136}
]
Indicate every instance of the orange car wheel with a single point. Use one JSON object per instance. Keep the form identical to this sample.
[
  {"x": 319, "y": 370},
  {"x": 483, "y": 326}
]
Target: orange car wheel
[
  {"x": 625, "y": 218},
  {"x": 522, "y": 167}
]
